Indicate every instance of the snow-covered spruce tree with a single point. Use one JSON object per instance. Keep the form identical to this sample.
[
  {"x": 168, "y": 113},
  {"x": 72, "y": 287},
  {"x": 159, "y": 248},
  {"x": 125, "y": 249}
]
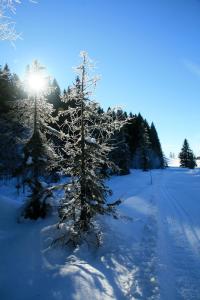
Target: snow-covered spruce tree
[
  {"x": 85, "y": 133},
  {"x": 36, "y": 115},
  {"x": 187, "y": 158}
]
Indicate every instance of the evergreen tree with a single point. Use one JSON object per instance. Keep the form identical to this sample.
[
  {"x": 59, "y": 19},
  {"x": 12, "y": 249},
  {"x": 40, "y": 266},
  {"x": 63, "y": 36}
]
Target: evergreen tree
[
  {"x": 85, "y": 133},
  {"x": 36, "y": 114},
  {"x": 187, "y": 158},
  {"x": 6, "y": 89},
  {"x": 157, "y": 158},
  {"x": 10, "y": 129},
  {"x": 134, "y": 132},
  {"x": 144, "y": 144},
  {"x": 145, "y": 147},
  {"x": 120, "y": 153},
  {"x": 139, "y": 141},
  {"x": 54, "y": 96}
]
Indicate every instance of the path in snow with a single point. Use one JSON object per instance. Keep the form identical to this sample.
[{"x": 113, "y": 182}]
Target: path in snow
[
  {"x": 177, "y": 194},
  {"x": 167, "y": 255},
  {"x": 154, "y": 256}
]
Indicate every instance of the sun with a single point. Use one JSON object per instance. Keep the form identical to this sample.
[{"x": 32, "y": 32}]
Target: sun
[{"x": 36, "y": 82}]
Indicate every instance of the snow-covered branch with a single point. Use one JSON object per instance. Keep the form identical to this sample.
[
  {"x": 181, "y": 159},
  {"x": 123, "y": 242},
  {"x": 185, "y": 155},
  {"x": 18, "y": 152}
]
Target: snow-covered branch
[
  {"x": 7, "y": 25},
  {"x": 86, "y": 134}
]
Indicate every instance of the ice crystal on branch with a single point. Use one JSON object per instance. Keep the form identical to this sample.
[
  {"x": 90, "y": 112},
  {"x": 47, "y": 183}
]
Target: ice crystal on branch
[
  {"x": 7, "y": 26},
  {"x": 86, "y": 132}
]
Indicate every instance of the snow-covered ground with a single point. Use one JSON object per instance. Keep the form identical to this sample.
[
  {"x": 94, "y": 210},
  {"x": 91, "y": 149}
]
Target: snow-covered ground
[
  {"x": 156, "y": 255},
  {"x": 173, "y": 162}
]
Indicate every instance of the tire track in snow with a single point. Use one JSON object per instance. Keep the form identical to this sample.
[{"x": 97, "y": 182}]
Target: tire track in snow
[
  {"x": 181, "y": 259},
  {"x": 188, "y": 228},
  {"x": 165, "y": 266},
  {"x": 146, "y": 286}
]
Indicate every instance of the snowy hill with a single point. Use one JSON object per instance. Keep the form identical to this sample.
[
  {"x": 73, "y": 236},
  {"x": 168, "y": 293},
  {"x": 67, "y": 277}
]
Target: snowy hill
[{"x": 154, "y": 256}]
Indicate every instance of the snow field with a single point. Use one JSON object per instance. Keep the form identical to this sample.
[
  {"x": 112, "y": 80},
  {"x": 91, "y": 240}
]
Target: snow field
[{"x": 156, "y": 255}]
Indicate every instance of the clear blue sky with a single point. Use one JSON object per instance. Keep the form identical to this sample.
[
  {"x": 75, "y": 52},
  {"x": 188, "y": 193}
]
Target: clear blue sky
[{"x": 148, "y": 54}]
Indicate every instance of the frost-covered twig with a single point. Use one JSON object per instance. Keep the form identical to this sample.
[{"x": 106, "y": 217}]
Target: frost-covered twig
[
  {"x": 7, "y": 25},
  {"x": 86, "y": 134}
]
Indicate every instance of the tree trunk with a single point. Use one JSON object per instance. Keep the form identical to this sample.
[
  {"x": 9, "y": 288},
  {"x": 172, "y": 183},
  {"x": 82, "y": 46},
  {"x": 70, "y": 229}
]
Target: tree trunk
[{"x": 83, "y": 215}]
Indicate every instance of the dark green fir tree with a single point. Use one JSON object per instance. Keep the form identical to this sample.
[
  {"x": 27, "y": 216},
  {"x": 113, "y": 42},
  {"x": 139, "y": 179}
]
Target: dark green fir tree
[
  {"x": 157, "y": 157},
  {"x": 187, "y": 158}
]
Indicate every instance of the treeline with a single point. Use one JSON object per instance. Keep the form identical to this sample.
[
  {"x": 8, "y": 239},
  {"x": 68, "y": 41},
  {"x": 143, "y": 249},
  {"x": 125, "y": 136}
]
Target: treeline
[
  {"x": 136, "y": 146},
  {"x": 46, "y": 134},
  {"x": 10, "y": 129}
]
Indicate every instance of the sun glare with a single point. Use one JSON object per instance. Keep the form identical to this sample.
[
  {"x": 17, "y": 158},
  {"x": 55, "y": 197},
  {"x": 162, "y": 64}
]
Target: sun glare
[{"x": 36, "y": 83}]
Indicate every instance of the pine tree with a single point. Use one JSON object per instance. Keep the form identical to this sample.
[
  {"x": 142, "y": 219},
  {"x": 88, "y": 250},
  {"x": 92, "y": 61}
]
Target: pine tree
[
  {"x": 120, "y": 154},
  {"x": 144, "y": 144},
  {"x": 10, "y": 129},
  {"x": 85, "y": 133},
  {"x": 54, "y": 97},
  {"x": 36, "y": 115},
  {"x": 139, "y": 142},
  {"x": 157, "y": 158},
  {"x": 134, "y": 132},
  {"x": 187, "y": 158},
  {"x": 6, "y": 89},
  {"x": 145, "y": 147}
]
